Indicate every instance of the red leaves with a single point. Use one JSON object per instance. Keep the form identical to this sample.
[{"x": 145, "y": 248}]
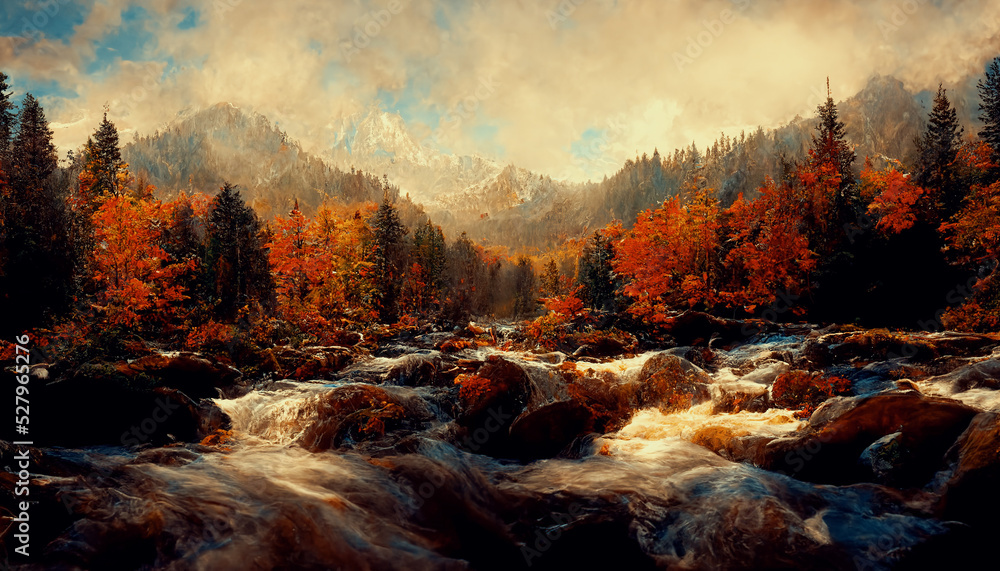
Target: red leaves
[
  {"x": 772, "y": 250},
  {"x": 134, "y": 273},
  {"x": 895, "y": 198},
  {"x": 805, "y": 391}
]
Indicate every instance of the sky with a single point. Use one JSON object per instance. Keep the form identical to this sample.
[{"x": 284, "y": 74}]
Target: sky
[{"x": 568, "y": 88}]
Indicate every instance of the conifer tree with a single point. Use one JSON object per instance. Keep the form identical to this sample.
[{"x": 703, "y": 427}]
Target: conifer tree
[
  {"x": 937, "y": 149},
  {"x": 8, "y": 119},
  {"x": 830, "y": 142},
  {"x": 36, "y": 278},
  {"x": 104, "y": 170},
  {"x": 989, "y": 106},
  {"x": 238, "y": 269},
  {"x": 389, "y": 259}
]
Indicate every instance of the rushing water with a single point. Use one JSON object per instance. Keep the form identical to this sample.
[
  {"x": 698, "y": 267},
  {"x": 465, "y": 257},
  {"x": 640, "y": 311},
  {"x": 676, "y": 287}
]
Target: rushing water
[{"x": 644, "y": 496}]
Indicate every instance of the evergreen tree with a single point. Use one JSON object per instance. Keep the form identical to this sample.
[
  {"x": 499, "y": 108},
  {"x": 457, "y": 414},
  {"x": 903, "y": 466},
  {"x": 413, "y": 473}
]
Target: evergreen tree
[
  {"x": 830, "y": 142},
  {"x": 596, "y": 275},
  {"x": 37, "y": 273},
  {"x": 937, "y": 151},
  {"x": 8, "y": 120},
  {"x": 238, "y": 270},
  {"x": 552, "y": 280},
  {"x": 389, "y": 259},
  {"x": 525, "y": 298},
  {"x": 103, "y": 160},
  {"x": 429, "y": 252},
  {"x": 33, "y": 155},
  {"x": 989, "y": 106}
]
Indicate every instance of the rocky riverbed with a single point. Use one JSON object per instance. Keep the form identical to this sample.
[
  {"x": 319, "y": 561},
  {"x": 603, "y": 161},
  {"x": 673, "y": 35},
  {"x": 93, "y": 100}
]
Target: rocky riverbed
[{"x": 474, "y": 450}]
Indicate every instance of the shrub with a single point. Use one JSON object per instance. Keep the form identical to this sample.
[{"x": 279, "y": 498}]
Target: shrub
[{"x": 803, "y": 391}]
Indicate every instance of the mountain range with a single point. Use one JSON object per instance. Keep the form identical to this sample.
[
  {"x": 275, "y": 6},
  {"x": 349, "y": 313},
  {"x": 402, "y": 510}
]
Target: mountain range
[{"x": 374, "y": 152}]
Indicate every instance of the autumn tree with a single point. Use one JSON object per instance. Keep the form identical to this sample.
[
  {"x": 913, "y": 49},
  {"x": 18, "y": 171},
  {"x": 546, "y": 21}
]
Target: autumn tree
[
  {"x": 552, "y": 283},
  {"x": 139, "y": 284},
  {"x": 236, "y": 259},
  {"x": 468, "y": 280},
  {"x": 771, "y": 255}
]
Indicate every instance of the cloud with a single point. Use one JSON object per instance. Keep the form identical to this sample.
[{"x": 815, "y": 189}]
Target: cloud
[{"x": 643, "y": 74}]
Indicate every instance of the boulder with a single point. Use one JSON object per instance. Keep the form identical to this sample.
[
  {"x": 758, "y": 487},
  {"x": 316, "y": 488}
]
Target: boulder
[
  {"x": 739, "y": 397},
  {"x": 197, "y": 375},
  {"x": 971, "y": 494},
  {"x": 352, "y": 414},
  {"x": 548, "y": 429},
  {"x": 490, "y": 400},
  {"x": 829, "y": 449},
  {"x": 99, "y": 405},
  {"x": 981, "y": 375},
  {"x": 671, "y": 383}
]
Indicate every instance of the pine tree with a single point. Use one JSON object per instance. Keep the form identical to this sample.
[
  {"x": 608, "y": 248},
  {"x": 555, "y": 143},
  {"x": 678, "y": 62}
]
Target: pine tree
[
  {"x": 37, "y": 273},
  {"x": 389, "y": 259},
  {"x": 33, "y": 155},
  {"x": 552, "y": 285},
  {"x": 8, "y": 120},
  {"x": 989, "y": 94},
  {"x": 103, "y": 161},
  {"x": 596, "y": 274},
  {"x": 238, "y": 269},
  {"x": 830, "y": 142},
  {"x": 525, "y": 298},
  {"x": 938, "y": 149}
]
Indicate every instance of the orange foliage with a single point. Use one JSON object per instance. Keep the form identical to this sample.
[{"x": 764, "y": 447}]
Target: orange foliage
[
  {"x": 895, "y": 198},
  {"x": 805, "y": 391},
  {"x": 772, "y": 251},
  {"x": 134, "y": 273}
]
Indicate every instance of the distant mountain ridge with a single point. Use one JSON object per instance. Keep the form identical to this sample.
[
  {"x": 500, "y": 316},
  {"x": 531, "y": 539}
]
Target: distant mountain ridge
[{"x": 502, "y": 204}]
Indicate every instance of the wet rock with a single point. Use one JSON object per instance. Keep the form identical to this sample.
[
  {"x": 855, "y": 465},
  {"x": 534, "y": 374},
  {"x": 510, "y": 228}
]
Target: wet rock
[
  {"x": 605, "y": 344},
  {"x": 828, "y": 450},
  {"x": 739, "y": 397},
  {"x": 490, "y": 401},
  {"x": 697, "y": 328},
  {"x": 672, "y": 383},
  {"x": 971, "y": 494},
  {"x": 417, "y": 370},
  {"x": 308, "y": 363},
  {"x": 545, "y": 431},
  {"x": 99, "y": 405},
  {"x": 196, "y": 375},
  {"x": 358, "y": 413},
  {"x": 981, "y": 375},
  {"x": 884, "y": 458}
]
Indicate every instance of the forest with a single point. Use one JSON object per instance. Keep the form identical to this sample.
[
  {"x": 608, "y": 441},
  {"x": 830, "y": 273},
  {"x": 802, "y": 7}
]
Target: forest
[
  {"x": 787, "y": 371},
  {"x": 90, "y": 251}
]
